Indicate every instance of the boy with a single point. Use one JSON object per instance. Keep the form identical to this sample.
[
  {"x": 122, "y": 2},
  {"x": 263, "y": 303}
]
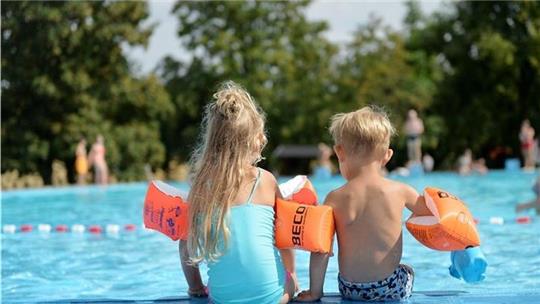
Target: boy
[{"x": 367, "y": 211}]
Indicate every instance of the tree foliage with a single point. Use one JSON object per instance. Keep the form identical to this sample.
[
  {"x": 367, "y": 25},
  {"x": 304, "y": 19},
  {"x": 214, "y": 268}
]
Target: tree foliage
[
  {"x": 489, "y": 53},
  {"x": 379, "y": 70},
  {"x": 64, "y": 76},
  {"x": 270, "y": 48},
  {"x": 472, "y": 70}
]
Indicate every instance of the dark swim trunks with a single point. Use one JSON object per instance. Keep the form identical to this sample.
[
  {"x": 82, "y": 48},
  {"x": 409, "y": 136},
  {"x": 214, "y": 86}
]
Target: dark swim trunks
[
  {"x": 413, "y": 137},
  {"x": 398, "y": 286}
]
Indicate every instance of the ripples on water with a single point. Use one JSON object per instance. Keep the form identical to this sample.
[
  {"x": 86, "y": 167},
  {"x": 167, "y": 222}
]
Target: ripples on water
[{"x": 145, "y": 265}]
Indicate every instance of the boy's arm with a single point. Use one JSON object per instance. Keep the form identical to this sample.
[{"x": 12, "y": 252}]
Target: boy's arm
[
  {"x": 191, "y": 273},
  {"x": 318, "y": 263},
  {"x": 415, "y": 202}
]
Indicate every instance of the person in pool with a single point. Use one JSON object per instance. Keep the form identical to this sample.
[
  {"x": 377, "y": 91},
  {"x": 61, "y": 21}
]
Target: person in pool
[
  {"x": 324, "y": 167},
  {"x": 367, "y": 210},
  {"x": 81, "y": 162},
  {"x": 232, "y": 209},
  {"x": 534, "y": 204},
  {"x": 526, "y": 137},
  {"x": 464, "y": 163},
  {"x": 97, "y": 159},
  {"x": 414, "y": 128}
]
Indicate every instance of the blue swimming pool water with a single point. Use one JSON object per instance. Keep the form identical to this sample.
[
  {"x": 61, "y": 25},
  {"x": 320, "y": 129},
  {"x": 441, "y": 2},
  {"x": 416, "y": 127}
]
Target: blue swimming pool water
[{"x": 144, "y": 265}]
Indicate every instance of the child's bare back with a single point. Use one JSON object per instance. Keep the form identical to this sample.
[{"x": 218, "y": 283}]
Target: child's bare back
[
  {"x": 368, "y": 215},
  {"x": 367, "y": 211}
]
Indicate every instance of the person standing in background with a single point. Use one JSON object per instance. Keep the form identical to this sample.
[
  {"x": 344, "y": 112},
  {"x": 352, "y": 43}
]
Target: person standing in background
[
  {"x": 81, "y": 162},
  {"x": 97, "y": 159},
  {"x": 464, "y": 163},
  {"x": 528, "y": 149},
  {"x": 428, "y": 162},
  {"x": 414, "y": 128},
  {"x": 324, "y": 167}
]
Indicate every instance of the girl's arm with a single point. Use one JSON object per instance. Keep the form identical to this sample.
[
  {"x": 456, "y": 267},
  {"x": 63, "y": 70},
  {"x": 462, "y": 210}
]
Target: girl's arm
[
  {"x": 318, "y": 263},
  {"x": 287, "y": 255},
  {"x": 191, "y": 273}
]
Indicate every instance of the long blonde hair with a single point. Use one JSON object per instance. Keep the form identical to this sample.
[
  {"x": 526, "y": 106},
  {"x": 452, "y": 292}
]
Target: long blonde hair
[{"x": 232, "y": 139}]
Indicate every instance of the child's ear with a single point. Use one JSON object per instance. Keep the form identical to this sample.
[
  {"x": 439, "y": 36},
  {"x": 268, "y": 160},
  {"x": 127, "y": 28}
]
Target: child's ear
[
  {"x": 388, "y": 155},
  {"x": 339, "y": 152}
]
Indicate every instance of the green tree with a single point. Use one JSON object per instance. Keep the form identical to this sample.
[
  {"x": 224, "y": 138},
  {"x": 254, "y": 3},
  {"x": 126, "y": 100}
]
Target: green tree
[
  {"x": 489, "y": 53},
  {"x": 378, "y": 69},
  {"x": 65, "y": 76},
  {"x": 189, "y": 86},
  {"x": 270, "y": 48}
]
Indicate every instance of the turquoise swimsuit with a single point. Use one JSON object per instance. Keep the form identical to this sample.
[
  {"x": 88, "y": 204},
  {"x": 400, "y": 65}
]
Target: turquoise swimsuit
[{"x": 250, "y": 271}]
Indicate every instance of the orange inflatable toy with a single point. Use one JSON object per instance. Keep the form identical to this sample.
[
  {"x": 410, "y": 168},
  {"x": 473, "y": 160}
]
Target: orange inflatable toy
[
  {"x": 166, "y": 211},
  {"x": 450, "y": 228},
  {"x": 299, "y": 189}
]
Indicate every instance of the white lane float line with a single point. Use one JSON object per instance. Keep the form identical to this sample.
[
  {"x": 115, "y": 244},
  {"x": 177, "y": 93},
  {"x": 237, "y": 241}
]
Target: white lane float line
[
  {"x": 44, "y": 228},
  {"x": 78, "y": 228},
  {"x": 9, "y": 229},
  {"x": 75, "y": 228},
  {"x": 114, "y": 229}
]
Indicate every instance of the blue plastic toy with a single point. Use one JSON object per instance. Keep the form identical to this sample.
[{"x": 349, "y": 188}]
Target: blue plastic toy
[{"x": 469, "y": 264}]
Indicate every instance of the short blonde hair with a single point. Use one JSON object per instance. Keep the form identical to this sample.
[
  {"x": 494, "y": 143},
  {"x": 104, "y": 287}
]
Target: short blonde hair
[{"x": 366, "y": 131}]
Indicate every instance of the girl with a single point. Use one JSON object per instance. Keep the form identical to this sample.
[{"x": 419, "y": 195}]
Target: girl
[
  {"x": 81, "y": 162},
  {"x": 97, "y": 159},
  {"x": 231, "y": 209}
]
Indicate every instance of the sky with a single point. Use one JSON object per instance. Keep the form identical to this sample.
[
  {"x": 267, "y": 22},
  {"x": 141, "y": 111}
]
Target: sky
[{"x": 343, "y": 18}]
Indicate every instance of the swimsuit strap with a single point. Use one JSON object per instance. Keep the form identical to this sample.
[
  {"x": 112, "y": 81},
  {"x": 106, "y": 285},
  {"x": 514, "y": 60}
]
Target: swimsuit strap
[{"x": 254, "y": 186}]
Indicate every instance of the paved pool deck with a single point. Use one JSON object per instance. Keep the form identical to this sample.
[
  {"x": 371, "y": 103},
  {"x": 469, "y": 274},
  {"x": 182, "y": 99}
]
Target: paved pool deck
[{"x": 419, "y": 297}]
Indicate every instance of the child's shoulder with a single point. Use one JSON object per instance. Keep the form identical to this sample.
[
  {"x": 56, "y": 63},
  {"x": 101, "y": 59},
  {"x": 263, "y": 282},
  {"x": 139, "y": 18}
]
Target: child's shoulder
[
  {"x": 399, "y": 188},
  {"x": 267, "y": 175},
  {"x": 267, "y": 178},
  {"x": 339, "y": 196}
]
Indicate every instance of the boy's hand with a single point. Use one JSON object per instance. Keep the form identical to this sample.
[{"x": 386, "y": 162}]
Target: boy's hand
[
  {"x": 308, "y": 296},
  {"x": 200, "y": 292}
]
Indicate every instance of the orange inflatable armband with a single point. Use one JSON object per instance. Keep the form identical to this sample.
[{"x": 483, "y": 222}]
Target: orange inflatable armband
[
  {"x": 299, "y": 189},
  {"x": 450, "y": 228},
  {"x": 166, "y": 211},
  {"x": 303, "y": 226}
]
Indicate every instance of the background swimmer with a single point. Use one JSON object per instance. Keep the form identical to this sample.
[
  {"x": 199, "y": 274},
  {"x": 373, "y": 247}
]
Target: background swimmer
[{"x": 534, "y": 204}]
